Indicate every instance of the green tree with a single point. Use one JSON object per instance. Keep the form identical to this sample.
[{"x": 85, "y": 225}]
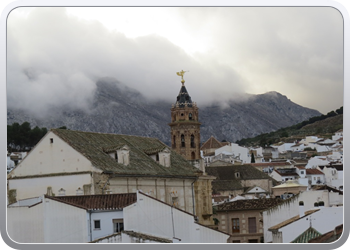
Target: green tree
[{"x": 252, "y": 158}]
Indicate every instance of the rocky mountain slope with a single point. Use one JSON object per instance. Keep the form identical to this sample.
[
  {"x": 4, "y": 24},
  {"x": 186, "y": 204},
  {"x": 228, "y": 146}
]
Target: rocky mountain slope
[{"x": 119, "y": 109}]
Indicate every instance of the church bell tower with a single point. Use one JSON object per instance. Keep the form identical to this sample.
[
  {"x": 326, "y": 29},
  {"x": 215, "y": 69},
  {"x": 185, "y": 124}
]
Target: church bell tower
[{"x": 185, "y": 127}]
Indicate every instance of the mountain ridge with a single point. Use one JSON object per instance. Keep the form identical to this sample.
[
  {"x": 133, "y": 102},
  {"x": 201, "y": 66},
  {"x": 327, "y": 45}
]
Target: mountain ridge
[{"x": 116, "y": 108}]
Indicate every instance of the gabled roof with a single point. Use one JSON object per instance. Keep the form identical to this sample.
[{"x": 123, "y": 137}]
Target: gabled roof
[
  {"x": 307, "y": 235},
  {"x": 97, "y": 202},
  {"x": 212, "y": 143},
  {"x": 313, "y": 171},
  {"x": 252, "y": 204},
  {"x": 227, "y": 180},
  {"x": 95, "y": 147}
]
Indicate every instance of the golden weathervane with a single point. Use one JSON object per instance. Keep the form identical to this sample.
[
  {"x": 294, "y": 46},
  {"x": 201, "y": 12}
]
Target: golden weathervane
[{"x": 181, "y": 73}]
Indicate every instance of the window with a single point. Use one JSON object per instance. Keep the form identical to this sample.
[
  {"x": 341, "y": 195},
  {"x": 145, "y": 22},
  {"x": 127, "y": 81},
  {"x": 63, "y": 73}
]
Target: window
[
  {"x": 253, "y": 241},
  {"x": 252, "y": 225},
  {"x": 182, "y": 141},
  {"x": 174, "y": 141},
  {"x": 118, "y": 225},
  {"x": 190, "y": 116},
  {"x": 116, "y": 156},
  {"x": 97, "y": 224},
  {"x": 236, "y": 241},
  {"x": 235, "y": 225},
  {"x": 157, "y": 157},
  {"x": 51, "y": 140},
  {"x": 192, "y": 141}
]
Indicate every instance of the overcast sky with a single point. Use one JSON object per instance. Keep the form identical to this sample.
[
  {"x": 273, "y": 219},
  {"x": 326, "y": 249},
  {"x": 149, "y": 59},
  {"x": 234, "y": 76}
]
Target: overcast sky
[{"x": 55, "y": 55}]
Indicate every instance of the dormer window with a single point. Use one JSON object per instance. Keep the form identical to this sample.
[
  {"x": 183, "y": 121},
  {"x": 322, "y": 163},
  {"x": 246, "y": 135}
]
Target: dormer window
[
  {"x": 119, "y": 154},
  {"x": 164, "y": 157}
]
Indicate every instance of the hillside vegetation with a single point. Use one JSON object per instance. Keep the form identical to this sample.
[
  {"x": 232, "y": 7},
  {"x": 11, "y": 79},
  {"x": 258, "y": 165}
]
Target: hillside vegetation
[{"x": 323, "y": 126}]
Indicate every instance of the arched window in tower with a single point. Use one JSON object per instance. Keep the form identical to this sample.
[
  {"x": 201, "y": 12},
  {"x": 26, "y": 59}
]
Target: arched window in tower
[
  {"x": 190, "y": 116},
  {"x": 192, "y": 141},
  {"x": 182, "y": 141},
  {"x": 193, "y": 156},
  {"x": 174, "y": 141}
]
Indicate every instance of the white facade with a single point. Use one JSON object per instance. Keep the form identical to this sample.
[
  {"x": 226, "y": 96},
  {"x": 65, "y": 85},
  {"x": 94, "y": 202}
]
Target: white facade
[
  {"x": 290, "y": 209},
  {"x": 283, "y": 147},
  {"x": 337, "y": 135},
  {"x": 51, "y": 221},
  {"x": 47, "y": 222},
  {"x": 317, "y": 161},
  {"x": 324, "y": 220},
  {"x": 237, "y": 151},
  {"x": 152, "y": 217}
]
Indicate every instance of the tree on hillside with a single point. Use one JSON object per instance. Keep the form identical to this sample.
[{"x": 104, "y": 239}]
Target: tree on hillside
[
  {"x": 22, "y": 137},
  {"x": 252, "y": 159}
]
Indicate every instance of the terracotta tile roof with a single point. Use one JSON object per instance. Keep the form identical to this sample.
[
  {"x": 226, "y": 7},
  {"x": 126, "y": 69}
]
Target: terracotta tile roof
[
  {"x": 329, "y": 237},
  {"x": 313, "y": 171},
  {"x": 212, "y": 143},
  {"x": 253, "y": 204},
  {"x": 94, "y": 146},
  {"x": 97, "y": 202}
]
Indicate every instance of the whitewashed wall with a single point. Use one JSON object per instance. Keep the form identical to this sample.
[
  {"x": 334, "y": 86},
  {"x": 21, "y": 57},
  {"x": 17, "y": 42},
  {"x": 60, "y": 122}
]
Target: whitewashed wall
[
  {"x": 49, "y": 158},
  {"x": 47, "y": 222},
  {"x": 26, "y": 225},
  {"x": 106, "y": 220},
  {"x": 31, "y": 187},
  {"x": 237, "y": 150},
  {"x": 323, "y": 221},
  {"x": 152, "y": 217},
  {"x": 64, "y": 223},
  {"x": 161, "y": 189},
  {"x": 290, "y": 209}
]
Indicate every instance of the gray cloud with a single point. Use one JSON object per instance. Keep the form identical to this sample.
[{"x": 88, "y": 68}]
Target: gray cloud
[{"x": 56, "y": 59}]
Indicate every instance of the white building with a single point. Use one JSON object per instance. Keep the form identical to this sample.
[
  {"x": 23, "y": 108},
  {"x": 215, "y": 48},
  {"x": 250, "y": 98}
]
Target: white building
[
  {"x": 87, "y": 218},
  {"x": 322, "y": 219},
  {"x": 291, "y": 209},
  {"x": 237, "y": 152}
]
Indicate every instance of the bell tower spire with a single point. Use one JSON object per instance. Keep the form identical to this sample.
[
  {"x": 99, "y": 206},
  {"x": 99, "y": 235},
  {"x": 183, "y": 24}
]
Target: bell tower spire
[{"x": 185, "y": 127}]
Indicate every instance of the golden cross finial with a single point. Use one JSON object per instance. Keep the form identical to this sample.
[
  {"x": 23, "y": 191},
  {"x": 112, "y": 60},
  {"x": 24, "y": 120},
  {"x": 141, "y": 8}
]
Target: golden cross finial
[{"x": 181, "y": 73}]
